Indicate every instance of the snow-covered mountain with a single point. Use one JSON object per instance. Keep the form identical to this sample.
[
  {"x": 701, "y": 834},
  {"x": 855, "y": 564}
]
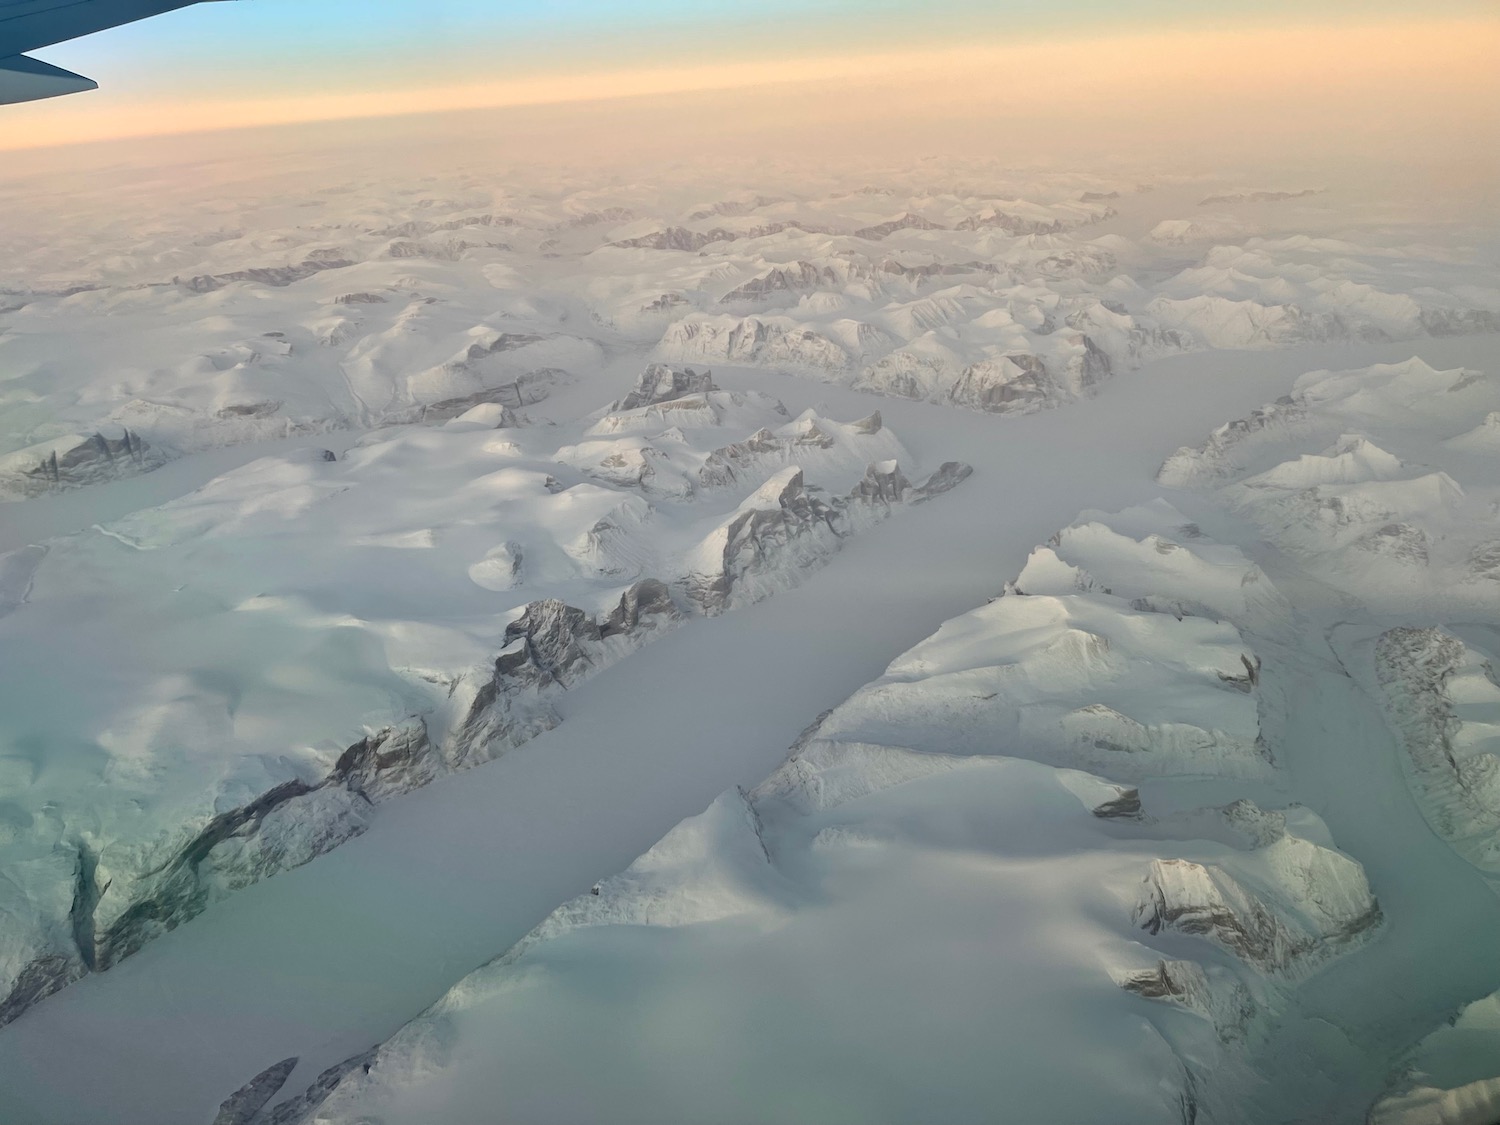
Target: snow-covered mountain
[
  {"x": 493, "y": 570},
  {"x": 987, "y": 799},
  {"x": 322, "y": 483}
]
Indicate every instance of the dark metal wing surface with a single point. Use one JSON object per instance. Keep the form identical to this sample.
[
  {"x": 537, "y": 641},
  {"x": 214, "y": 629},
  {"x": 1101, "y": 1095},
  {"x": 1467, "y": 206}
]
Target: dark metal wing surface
[{"x": 28, "y": 24}]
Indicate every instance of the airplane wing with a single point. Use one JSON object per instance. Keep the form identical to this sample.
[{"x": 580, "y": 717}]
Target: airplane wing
[{"x": 28, "y": 24}]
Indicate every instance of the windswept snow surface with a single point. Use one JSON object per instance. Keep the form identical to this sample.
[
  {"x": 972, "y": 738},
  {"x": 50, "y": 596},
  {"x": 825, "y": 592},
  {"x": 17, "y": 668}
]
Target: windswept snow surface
[
  {"x": 1089, "y": 720},
  {"x": 156, "y": 319},
  {"x": 1390, "y": 533},
  {"x": 268, "y": 702},
  {"x": 1215, "y": 761},
  {"x": 950, "y": 822}
]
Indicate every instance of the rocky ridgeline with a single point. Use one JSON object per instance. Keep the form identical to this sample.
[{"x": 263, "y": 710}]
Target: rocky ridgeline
[
  {"x": 122, "y": 902},
  {"x": 784, "y": 529},
  {"x": 1410, "y": 539},
  {"x": 1439, "y": 694},
  {"x": 75, "y": 461},
  {"x": 93, "y": 904},
  {"x": 1129, "y": 623}
]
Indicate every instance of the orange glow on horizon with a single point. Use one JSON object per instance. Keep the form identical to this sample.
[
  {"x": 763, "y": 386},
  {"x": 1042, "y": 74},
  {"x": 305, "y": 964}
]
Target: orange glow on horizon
[{"x": 1409, "y": 69}]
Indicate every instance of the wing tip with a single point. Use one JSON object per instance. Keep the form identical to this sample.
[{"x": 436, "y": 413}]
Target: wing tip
[{"x": 25, "y": 79}]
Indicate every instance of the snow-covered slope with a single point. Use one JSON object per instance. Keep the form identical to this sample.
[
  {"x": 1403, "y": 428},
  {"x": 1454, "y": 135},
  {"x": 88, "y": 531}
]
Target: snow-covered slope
[
  {"x": 980, "y": 803},
  {"x": 269, "y": 657},
  {"x": 1358, "y": 475},
  {"x": 1396, "y": 524},
  {"x": 135, "y": 332},
  {"x": 1452, "y": 1077},
  {"x": 1101, "y": 818}
]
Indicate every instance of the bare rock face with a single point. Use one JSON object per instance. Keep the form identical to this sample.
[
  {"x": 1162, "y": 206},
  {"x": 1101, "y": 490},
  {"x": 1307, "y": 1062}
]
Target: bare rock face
[
  {"x": 553, "y": 646},
  {"x": 1125, "y": 806},
  {"x": 786, "y": 527},
  {"x": 782, "y": 527},
  {"x": 1224, "y": 1002},
  {"x": 1021, "y": 382},
  {"x": 299, "y": 1109},
  {"x": 1000, "y": 385},
  {"x": 395, "y": 760},
  {"x": 1314, "y": 902},
  {"x": 122, "y": 902},
  {"x": 526, "y": 390},
  {"x": 786, "y": 279},
  {"x": 1226, "y": 450},
  {"x": 762, "y": 341},
  {"x": 1436, "y": 693},
  {"x": 41, "y": 977},
  {"x": 1484, "y": 561},
  {"x": 277, "y": 277},
  {"x": 646, "y": 602},
  {"x": 241, "y": 1107},
  {"x": 883, "y": 483},
  {"x": 75, "y": 461},
  {"x": 283, "y": 828},
  {"x": 724, "y": 465},
  {"x": 549, "y": 643},
  {"x": 663, "y": 383},
  {"x": 950, "y": 475}
]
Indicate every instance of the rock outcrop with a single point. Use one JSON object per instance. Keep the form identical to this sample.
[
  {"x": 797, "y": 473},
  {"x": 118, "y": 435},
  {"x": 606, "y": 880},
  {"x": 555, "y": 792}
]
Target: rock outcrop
[
  {"x": 76, "y": 460},
  {"x": 661, "y": 382},
  {"x": 1437, "y": 694},
  {"x": 241, "y": 1107}
]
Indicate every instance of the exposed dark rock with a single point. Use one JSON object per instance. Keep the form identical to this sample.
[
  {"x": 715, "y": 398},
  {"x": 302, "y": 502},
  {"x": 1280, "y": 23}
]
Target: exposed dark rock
[
  {"x": 1484, "y": 561},
  {"x": 241, "y": 1107},
  {"x": 183, "y": 887},
  {"x": 950, "y": 475},
  {"x": 723, "y": 466},
  {"x": 759, "y": 537},
  {"x": 663, "y": 383},
  {"x": 1256, "y": 197},
  {"x": 647, "y": 598},
  {"x": 77, "y": 461},
  {"x": 785, "y": 279},
  {"x": 1459, "y": 322},
  {"x": 1002, "y": 385},
  {"x": 298, "y": 1110},
  {"x": 526, "y": 390},
  {"x": 1170, "y": 980},
  {"x": 907, "y": 221},
  {"x": 1246, "y": 683},
  {"x": 549, "y": 643},
  {"x": 381, "y": 765},
  {"x": 1127, "y": 806},
  {"x": 39, "y": 980},
  {"x": 681, "y": 238},
  {"x": 665, "y": 302},
  {"x": 1011, "y": 224},
  {"x": 607, "y": 215},
  {"x": 883, "y": 483},
  {"x": 275, "y": 276},
  {"x": 1189, "y": 898}
]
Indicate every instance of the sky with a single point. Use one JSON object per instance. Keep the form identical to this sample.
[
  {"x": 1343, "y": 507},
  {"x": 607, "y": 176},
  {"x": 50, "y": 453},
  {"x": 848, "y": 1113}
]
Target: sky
[{"x": 1085, "y": 63}]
